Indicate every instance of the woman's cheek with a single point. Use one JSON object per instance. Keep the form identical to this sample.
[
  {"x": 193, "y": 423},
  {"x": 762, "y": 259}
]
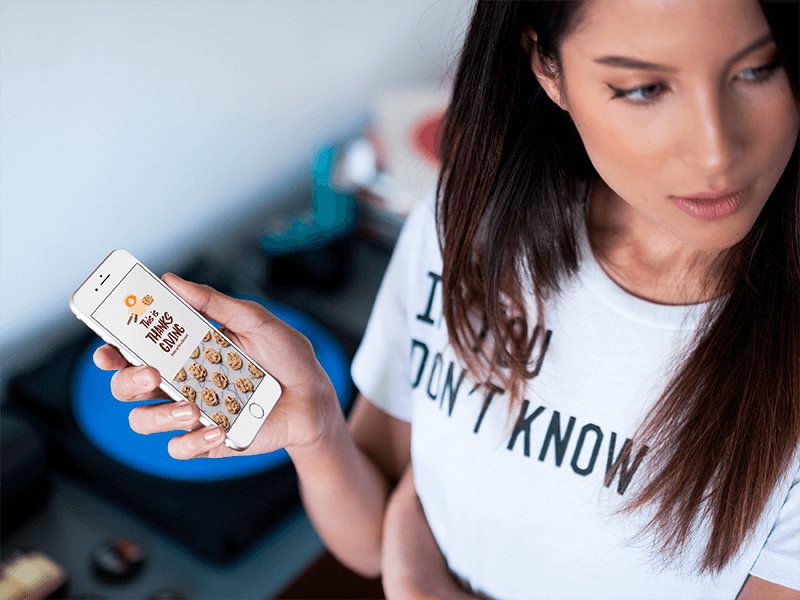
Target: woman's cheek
[{"x": 629, "y": 154}]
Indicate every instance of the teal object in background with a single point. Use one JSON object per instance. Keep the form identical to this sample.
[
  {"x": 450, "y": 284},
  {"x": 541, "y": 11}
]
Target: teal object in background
[
  {"x": 104, "y": 420},
  {"x": 331, "y": 215},
  {"x": 332, "y": 210}
]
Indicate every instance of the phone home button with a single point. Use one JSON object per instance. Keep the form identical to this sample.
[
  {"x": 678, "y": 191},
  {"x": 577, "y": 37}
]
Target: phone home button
[{"x": 256, "y": 411}]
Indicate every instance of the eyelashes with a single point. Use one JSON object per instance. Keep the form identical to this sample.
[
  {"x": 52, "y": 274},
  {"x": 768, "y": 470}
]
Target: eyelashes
[
  {"x": 639, "y": 95},
  {"x": 648, "y": 94},
  {"x": 762, "y": 73}
]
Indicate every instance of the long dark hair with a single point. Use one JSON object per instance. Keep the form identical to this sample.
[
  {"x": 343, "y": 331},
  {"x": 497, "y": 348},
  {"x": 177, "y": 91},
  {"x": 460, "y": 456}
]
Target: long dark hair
[{"x": 512, "y": 196}]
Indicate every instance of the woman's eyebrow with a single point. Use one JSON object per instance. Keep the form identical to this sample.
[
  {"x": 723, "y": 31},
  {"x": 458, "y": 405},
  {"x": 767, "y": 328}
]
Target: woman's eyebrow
[{"x": 626, "y": 62}]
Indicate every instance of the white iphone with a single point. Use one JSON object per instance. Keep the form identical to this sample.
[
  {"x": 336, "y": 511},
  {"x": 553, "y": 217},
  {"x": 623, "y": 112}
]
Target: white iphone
[{"x": 131, "y": 309}]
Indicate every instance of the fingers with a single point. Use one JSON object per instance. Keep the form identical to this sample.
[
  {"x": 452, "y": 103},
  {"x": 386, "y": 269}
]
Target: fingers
[
  {"x": 135, "y": 384},
  {"x": 195, "y": 444},
  {"x": 169, "y": 416},
  {"x": 172, "y": 416},
  {"x": 108, "y": 358},
  {"x": 233, "y": 314},
  {"x": 128, "y": 383}
]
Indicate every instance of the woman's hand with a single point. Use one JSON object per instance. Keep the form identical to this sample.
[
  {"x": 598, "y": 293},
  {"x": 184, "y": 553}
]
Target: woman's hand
[
  {"x": 412, "y": 566},
  {"x": 307, "y": 404}
]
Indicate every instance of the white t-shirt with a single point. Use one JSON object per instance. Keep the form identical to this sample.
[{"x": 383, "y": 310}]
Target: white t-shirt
[{"x": 516, "y": 500}]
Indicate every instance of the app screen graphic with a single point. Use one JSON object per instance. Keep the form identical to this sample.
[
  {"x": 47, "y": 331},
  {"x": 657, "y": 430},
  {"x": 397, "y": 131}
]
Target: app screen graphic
[{"x": 198, "y": 362}]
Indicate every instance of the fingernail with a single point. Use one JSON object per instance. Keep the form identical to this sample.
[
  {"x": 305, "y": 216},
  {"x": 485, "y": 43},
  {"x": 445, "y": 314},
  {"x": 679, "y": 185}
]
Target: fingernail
[
  {"x": 183, "y": 411},
  {"x": 142, "y": 376},
  {"x": 213, "y": 434}
]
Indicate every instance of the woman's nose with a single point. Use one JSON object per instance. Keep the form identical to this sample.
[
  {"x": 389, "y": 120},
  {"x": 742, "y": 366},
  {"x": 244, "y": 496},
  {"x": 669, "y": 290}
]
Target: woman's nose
[{"x": 715, "y": 134}]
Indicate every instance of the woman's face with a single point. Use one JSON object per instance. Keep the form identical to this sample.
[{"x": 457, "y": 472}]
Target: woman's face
[{"x": 676, "y": 98}]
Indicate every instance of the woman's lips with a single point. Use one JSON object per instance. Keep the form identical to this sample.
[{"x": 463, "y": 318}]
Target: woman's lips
[{"x": 708, "y": 206}]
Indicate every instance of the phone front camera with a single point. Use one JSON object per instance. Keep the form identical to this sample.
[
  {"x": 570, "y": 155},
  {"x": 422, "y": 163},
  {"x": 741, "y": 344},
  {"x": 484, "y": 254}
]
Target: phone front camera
[{"x": 95, "y": 289}]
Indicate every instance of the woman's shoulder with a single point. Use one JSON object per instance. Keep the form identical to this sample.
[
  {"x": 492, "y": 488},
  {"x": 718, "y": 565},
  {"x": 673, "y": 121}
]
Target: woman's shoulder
[
  {"x": 423, "y": 214},
  {"x": 419, "y": 240}
]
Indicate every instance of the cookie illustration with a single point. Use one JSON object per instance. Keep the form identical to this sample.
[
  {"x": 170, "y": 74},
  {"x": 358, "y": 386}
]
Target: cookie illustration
[
  {"x": 219, "y": 379},
  {"x": 147, "y": 300},
  {"x": 209, "y": 396},
  {"x": 221, "y": 420},
  {"x": 207, "y": 337},
  {"x": 189, "y": 392},
  {"x": 232, "y": 405},
  {"x": 195, "y": 353},
  {"x": 255, "y": 371},
  {"x": 180, "y": 376},
  {"x": 234, "y": 360},
  {"x": 212, "y": 356},
  {"x": 243, "y": 384},
  {"x": 197, "y": 371},
  {"x": 220, "y": 340}
]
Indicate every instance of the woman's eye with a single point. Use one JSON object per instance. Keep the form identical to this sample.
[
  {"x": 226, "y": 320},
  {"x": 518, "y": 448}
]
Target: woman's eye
[
  {"x": 639, "y": 95},
  {"x": 759, "y": 74}
]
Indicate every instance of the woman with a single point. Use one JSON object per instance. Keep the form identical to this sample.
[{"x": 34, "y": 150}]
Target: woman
[{"x": 597, "y": 378}]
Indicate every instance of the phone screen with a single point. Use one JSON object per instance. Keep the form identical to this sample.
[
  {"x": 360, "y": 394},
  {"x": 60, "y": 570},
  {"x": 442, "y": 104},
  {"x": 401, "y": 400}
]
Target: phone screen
[{"x": 163, "y": 332}]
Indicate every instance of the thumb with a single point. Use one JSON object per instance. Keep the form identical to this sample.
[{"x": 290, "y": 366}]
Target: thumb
[{"x": 231, "y": 313}]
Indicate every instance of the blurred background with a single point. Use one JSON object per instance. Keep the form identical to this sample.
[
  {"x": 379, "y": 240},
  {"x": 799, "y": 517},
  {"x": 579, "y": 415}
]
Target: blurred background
[{"x": 268, "y": 147}]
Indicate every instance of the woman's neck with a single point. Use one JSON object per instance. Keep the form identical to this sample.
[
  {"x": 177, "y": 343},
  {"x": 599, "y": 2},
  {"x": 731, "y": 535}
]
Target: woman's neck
[{"x": 643, "y": 258}]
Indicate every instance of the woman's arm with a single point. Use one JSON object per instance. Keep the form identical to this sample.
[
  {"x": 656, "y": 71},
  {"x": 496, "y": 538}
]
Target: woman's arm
[
  {"x": 413, "y": 567},
  {"x": 344, "y": 486},
  {"x": 346, "y": 480},
  {"x": 756, "y": 588}
]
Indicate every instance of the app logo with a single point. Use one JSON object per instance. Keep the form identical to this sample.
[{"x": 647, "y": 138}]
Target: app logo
[{"x": 137, "y": 306}]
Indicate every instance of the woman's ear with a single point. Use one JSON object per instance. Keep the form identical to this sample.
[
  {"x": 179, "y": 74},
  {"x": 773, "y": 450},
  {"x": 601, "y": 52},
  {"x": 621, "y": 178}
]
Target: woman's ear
[{"x": 542, "y": 69}]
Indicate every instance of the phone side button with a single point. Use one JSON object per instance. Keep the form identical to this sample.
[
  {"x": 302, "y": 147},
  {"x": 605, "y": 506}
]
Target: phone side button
[{"x": 256, "y": 410}]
